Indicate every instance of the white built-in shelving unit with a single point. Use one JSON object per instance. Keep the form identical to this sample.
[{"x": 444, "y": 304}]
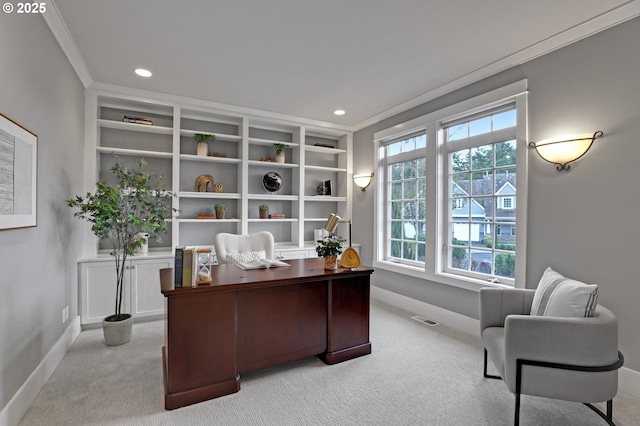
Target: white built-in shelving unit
[{"x": 314, "y": 154}]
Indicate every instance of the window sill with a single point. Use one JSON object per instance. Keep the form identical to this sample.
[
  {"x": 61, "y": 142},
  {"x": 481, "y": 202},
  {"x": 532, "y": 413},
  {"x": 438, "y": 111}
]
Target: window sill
[{"x": 466, "y": 283}]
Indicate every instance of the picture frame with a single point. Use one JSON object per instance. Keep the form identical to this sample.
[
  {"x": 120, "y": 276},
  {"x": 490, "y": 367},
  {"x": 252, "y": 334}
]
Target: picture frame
[{"x": 18, "y": 175}]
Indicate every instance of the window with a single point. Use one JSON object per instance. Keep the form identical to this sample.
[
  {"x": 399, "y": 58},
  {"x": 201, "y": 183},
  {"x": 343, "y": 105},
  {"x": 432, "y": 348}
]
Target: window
[
  {"x": 405, "y": 199},
  {"x": 479, "y": 173},
  {"x": 450, "y": 208}
]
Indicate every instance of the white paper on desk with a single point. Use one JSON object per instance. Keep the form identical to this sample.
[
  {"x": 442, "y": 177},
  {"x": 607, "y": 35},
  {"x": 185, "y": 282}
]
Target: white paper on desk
[{"x": 260, "y": 264}]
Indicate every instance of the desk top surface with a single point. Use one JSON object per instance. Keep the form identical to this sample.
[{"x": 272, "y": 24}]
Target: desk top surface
[{"x": 230, "y": 277}]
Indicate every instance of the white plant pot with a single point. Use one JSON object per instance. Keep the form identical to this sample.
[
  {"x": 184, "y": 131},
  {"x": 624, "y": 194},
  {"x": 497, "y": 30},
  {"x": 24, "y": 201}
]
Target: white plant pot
[
  {"x": 117, "y": 332},
  {"x": 203, "y": 149},
  {"x": 280, "y": 157}
]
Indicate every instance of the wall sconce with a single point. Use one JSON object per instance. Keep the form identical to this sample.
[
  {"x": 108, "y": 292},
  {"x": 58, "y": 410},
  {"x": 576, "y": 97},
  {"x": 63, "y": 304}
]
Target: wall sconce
[
  {"x": 362, "y": 181},
  {"x": 564, "y": 151}
]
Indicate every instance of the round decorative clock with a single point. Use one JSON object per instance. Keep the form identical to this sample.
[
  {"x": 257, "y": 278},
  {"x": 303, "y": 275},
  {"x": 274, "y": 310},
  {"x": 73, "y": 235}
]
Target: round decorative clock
[{"x": 350, "y": 258}]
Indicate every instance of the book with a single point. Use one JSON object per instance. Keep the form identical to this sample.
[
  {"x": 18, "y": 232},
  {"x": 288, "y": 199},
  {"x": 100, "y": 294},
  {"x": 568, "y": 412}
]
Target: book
[
  {"x": 137, "y": 120},
  {"x": 187, "y": 268},
  {"x": 260, "y": 264},
  {"x": 177, "y": 267}
]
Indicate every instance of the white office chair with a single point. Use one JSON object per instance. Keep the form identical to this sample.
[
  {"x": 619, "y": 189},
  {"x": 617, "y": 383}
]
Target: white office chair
[{"x": 229, "y": 246}]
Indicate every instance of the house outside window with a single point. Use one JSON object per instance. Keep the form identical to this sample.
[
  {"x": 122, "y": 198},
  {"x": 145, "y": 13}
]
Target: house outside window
[
  {"x": 466, "y": 224},
  {"x": 482, "y": 169}
]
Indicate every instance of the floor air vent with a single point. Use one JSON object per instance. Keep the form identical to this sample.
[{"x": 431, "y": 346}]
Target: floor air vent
[{"x": 425, "y": 320}]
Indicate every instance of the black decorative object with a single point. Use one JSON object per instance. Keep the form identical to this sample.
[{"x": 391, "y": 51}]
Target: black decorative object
[
  {"x": 272, "y": 181},
  {"x": 324, "y": 188}
]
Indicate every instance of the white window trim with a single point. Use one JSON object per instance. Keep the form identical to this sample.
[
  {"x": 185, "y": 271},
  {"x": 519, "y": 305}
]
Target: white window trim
[{"x": 431, "y": 124}]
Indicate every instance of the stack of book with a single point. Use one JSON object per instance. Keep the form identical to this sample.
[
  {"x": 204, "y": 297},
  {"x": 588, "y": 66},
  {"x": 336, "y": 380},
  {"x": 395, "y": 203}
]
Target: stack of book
[
  {"x": 137, "y": 120},
  {"x": 276, "y": 216},
  {"x": 186, "y": 267}
]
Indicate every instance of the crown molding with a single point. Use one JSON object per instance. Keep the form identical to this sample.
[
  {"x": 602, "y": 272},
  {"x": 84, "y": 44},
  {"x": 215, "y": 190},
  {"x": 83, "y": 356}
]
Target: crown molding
[
  {"x": 585, "y": 29},
  {"x": 61, "y": 33}
]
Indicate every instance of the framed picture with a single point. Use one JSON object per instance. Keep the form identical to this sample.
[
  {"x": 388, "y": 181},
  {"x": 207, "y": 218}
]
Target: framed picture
[{"x": 18, "y": 171}]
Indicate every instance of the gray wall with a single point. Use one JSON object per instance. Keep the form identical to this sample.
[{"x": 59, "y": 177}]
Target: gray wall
[
  {"x": 38, "y": 272},
  {"x": 582, "y": 223}
]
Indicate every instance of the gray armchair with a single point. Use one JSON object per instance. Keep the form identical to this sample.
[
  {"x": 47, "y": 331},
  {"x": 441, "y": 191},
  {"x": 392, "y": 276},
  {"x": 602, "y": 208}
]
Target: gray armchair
[{"x": 572, "y": 359}]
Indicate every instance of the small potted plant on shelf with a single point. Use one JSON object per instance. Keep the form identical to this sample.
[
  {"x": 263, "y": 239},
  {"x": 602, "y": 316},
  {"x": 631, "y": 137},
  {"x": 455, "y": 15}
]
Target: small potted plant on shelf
[
  {"x": 280, "y": 147},
  {"x": 329, "y": 248},
  {"x": 264, "y": 211},
  {"x": 137, "y": 204},
  {"x": 220, "y": 209},
  {"x": 203, "y": 143}
]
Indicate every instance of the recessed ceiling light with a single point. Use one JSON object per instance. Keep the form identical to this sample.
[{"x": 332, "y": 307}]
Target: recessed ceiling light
[
  {"x": 143, "y": 73},
  {"x": 339, "y": 112}
]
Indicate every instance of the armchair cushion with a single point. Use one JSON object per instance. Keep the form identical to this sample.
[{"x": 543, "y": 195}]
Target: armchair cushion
[{"x": 558, "y": 296}]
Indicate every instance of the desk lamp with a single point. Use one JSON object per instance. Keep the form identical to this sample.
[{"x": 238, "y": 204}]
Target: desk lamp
[{"x": 350, "y": 257}]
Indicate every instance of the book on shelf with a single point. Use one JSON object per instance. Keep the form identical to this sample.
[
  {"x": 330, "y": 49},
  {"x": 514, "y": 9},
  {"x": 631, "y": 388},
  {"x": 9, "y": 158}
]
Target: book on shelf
[
  {"x": 137, "y": 120},
  {"x": 276, "y": 216},
  {"x": 260, "y": 264}
]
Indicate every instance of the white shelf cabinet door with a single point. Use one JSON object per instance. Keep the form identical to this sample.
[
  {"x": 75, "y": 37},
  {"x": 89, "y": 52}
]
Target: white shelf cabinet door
[
  {"x": 146, "y": 297},
  {"x": 98, "y": 291}
]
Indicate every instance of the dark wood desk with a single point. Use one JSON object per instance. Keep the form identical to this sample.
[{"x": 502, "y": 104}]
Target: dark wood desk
[{"x": 246, "y": 320}]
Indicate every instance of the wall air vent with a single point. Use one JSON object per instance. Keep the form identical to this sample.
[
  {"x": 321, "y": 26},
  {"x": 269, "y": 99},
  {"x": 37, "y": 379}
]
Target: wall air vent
[{"x": 427, "y": 321}]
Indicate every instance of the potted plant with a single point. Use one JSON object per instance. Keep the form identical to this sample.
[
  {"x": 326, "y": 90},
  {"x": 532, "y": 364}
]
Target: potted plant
[
  {"x": 203, "y": 143},
  {"x": 330, "y": 247},
  {"x": 264, "y": 211},
  {"x": 220, "y": 209},
  {"x": 136, "y": 204},
  {"x": 280, "y": 147}
]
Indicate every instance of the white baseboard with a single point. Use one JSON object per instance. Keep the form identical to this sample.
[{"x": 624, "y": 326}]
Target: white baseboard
[
  {"x": 451, "y": 319},
  {"x": 628, "y": 380},
  {"x": 18, "y": 405}
]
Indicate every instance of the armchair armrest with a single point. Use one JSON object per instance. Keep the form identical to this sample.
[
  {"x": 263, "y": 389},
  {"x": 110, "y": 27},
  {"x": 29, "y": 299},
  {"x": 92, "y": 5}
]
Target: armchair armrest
[
  {"x": 576, "y": 341},
  {"x": 497, "y": 303}
]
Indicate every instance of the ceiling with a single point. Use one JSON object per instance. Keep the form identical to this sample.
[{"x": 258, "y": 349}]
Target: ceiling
[{"x": 307, "y": 58}]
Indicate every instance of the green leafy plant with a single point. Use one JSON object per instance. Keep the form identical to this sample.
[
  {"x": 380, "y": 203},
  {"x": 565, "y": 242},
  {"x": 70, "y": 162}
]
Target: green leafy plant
[
  {"x": 200, "y": 137},
  {"x": 220, "y": 207},
  {"x": 137, "y": 203},
  {"x": 331, "y": 245},
  {"x": 264, "y": 208},
  {"x": 279, "y": 147}
]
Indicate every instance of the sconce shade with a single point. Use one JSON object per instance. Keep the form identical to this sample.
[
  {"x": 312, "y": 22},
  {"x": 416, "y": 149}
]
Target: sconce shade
[
  {"x": 363, "y": 180},
  {"x": 562, "y": 151}
]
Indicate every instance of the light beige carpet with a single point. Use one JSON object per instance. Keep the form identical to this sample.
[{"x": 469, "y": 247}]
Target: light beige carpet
[{"x": 416, "y": 375}]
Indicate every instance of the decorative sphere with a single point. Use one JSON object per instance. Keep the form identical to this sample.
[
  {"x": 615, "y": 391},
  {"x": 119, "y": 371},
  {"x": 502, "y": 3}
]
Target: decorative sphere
[{"x": 272, "y": 181}]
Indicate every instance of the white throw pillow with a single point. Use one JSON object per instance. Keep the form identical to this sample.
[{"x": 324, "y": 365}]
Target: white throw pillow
[
  {"x": 247, "y": 256},
  {"x": 558, "y": 296}
]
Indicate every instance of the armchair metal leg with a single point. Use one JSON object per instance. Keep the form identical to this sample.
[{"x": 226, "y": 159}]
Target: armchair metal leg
[
  {"x": 488, "y": 376},
  {"x": 607, "y": 417},
  {"x": 516, "y": 419},
  {"x": 521, "y": 362}
]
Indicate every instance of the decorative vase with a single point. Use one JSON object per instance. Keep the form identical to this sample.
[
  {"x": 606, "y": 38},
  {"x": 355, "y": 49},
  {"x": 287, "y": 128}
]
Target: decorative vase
[
  {"x": 117, "y": 332},
  {"x": 220, "y": 214},
  {"x": 331, "y": 263},
  {"x": 280, "y": 157},
  {"x": 203, "y": 148},
  {"x": 264, "y": 214}
]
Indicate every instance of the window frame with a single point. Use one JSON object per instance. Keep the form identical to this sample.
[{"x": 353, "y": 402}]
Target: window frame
[
  {"x": 433, "y": 269},
  {"x": 389, "y": 160}
]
